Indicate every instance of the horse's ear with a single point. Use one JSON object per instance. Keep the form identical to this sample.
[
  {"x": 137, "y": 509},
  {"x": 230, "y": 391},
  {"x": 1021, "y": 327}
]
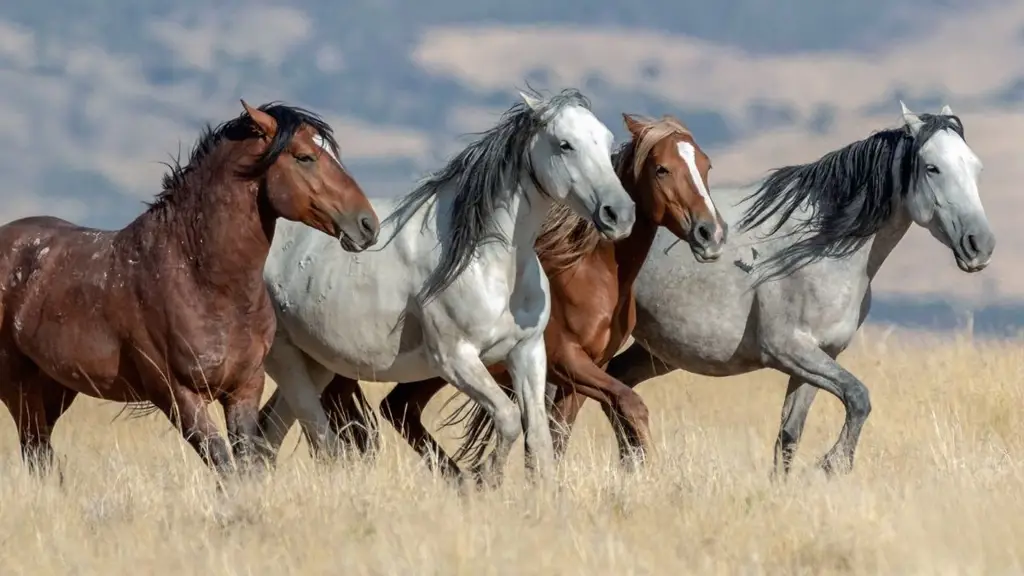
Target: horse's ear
[
  {"x": 946, "y": 111},
  {"x": 533, "y": 103},
  {"x": 633, "y": 124},
  {"x": 265, "y": 121},
  {"x": 910, "y": 119}
]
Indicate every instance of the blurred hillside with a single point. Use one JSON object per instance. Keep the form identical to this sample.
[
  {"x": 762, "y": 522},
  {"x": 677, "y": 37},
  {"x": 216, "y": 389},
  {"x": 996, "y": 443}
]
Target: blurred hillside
[{"x": 96, "y": 94}]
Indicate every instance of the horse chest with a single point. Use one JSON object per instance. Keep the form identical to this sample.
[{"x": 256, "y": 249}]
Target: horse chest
[{"x": 221, "y": 349}]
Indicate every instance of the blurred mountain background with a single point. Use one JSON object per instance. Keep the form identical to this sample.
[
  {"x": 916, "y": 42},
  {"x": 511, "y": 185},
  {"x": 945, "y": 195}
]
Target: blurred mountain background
[{"x": 94, "y": 95}]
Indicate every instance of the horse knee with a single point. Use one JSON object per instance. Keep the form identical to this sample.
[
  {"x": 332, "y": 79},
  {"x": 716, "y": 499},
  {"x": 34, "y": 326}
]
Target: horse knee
[
  {"x": 508, "y": 422},
  {"x": 634, "y": 406},
  {"x": 858, "y": 401}
]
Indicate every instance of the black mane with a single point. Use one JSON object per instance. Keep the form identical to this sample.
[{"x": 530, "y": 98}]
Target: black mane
[
  {"x": 851, "y": 192},
  {"x": 290, "y": 120}
]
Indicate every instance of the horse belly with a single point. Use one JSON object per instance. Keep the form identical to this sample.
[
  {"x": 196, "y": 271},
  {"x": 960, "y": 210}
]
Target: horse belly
[{"x": 698, "y": 342}]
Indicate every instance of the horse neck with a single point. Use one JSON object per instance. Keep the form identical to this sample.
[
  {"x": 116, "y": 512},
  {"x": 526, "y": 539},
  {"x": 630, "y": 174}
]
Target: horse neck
[
  {"x": 519, "y": 217},
  {"x": 220, "y": 224},
  {"x": 886, "y": 239},
  {"x": 631, "y": 252}
]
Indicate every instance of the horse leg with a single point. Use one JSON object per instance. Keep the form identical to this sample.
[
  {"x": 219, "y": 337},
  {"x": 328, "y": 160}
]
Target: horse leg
[
  {"x": 350, "y": 415},
  {"x": 462, "y": 367},
  {"x": 630, "y": 368},
  {"x": 187, "y": 410},
  {"x": 814, "y": 366},
  {"x": 626, "y": 410},
  {"x": 241, "y": 413},
  {"x": 527, "y": 368},
  {"x": 799, "y": 396},
  {"x": 300, "y": 380},
  {"x": 565, "y": 405},
  {"x": 275, "y": 419},
  {"x": 40, "y": 402},
  {"x": 403, "y": 408}
]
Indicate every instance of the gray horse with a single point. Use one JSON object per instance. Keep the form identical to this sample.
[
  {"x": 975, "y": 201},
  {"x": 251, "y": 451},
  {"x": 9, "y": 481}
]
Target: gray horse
[{"x": 793, "y": 288}]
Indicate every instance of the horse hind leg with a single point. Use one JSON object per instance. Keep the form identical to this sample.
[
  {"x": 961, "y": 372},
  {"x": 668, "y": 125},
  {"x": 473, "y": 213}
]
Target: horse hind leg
[
  {"x": 799, "y": 397},
  {"x": 300, "y": 381},
  {"x": 350, "y": 416},
  {"x": 403, "y": 407},
  {"x": 37, "y": 404}
]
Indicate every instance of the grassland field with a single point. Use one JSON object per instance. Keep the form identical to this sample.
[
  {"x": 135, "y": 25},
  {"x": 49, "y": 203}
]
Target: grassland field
[{"x": 938, "y": 488}]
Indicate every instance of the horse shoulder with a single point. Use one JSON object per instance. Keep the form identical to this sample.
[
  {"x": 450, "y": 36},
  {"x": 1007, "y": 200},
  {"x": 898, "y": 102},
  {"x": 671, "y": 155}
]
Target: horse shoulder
[{"x": 584, "y": 302}]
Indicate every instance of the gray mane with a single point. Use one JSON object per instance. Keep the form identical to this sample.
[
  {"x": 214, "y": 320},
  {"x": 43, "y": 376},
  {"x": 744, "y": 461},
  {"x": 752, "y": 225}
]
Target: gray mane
[
  {"x": 852, "y": 192},
  {"x": 482, "y": 174}
]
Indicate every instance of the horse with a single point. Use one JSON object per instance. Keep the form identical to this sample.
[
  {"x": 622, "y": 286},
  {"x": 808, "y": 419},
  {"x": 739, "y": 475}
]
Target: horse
[
  {"x": 456, "y": 288},
  {"x": 794, "y": 289},
  {"x": 170, "y": 312},
  {"x": 665, "y": 171}
]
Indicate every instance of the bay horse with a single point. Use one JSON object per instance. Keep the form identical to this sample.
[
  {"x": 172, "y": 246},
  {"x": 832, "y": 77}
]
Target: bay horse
[
  {"x": 665, "y": 171},
  {"x": 456, "y": 288},
  {"x": 171, "y": 311},
  {"x": 793, "y": 289}
]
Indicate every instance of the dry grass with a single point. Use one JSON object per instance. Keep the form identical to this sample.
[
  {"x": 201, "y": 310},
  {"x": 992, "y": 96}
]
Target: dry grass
[{"x": 937, "y": 490}]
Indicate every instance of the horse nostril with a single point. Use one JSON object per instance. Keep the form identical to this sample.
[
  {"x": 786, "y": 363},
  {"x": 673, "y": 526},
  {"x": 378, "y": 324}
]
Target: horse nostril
[
  {"x": 972, "y": 243},
  {"x": 367, "y": 225},
  {"x": 703, "y": 232},
  {"x": 608, "y": 216}
]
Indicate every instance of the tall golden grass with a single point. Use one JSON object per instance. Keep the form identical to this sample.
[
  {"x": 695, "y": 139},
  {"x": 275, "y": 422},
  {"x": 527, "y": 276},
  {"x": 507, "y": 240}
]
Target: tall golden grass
[{"x": 938, "y": 488}]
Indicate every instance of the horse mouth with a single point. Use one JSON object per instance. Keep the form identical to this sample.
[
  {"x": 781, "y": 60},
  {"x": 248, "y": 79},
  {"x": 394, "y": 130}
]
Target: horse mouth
[
  {"x": 606, "y": 232},
  {"x": 705, "y": 258},
  {"x": 349, "y": 245},
  {"x": 971, "y": 266}
]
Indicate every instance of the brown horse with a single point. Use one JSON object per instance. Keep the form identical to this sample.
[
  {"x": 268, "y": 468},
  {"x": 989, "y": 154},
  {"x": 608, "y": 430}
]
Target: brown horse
[
  {"x": 171, "y": 311},
  {"x": 592, "y": 308}
]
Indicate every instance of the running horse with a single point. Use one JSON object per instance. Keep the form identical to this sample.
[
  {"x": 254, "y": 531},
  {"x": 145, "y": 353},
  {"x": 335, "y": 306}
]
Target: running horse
[
  {"x": 170, "y": 312},
  {"x": 456, "y": 288},
  {"x": 665, "y": 171}
]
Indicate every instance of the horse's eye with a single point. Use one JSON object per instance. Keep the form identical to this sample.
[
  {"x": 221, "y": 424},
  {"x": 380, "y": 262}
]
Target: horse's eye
[
  {"x": 661, "y": 170},
  {"x": 306, "y": 158},
  {"x": 932, "y": 168},
  {"x": 565, "y": 146}
]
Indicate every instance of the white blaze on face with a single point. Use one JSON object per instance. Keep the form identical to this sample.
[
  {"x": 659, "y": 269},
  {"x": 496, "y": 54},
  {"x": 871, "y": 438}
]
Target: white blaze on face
[
  {"x": 319, "y": 141},
  {"x": 689, "y": 155}
]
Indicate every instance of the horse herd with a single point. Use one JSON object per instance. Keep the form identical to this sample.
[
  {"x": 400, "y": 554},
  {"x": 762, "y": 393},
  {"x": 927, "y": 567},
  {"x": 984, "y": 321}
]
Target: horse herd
[{"x": 539, "y": 267}]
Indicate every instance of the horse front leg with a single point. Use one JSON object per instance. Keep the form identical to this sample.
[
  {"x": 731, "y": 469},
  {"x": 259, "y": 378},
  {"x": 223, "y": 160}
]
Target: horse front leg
[
  {"x": 808, "y": 363},
  {"x": 629, "y": 368},
  {"x": 241, "y": 412},
  {"x": 462, "y": 367},
  {"x": 625, "y": 409},
  {"x": 799, "y": 397},
  {"x": 527, "y": 368},
  {"x": 188, "y": 412}
]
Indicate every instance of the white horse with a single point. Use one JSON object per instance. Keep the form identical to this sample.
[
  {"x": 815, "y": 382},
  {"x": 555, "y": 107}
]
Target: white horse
[{"x": 456, "y": 288}]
